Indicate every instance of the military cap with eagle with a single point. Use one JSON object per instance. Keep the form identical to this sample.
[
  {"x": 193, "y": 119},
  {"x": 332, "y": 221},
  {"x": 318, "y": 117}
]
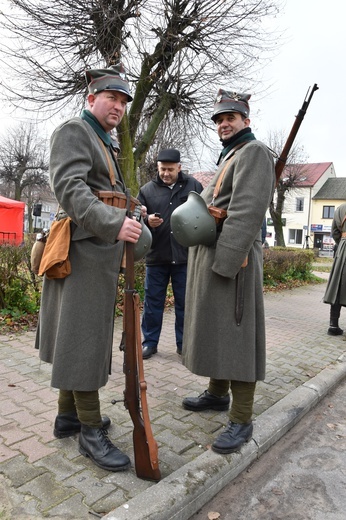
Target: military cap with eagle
[
  {"x": 230, "y": 101},
  {"x": 112, "y": 78}
]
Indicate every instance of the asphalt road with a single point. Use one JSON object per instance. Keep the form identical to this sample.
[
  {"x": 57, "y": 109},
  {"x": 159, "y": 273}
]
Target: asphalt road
[{"x": 302, "y": 477}]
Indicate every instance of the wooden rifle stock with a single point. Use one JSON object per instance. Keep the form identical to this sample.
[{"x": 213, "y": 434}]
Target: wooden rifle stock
[
  {"x": 145, "y": 446},
  {"x": 281, "y": 161}
]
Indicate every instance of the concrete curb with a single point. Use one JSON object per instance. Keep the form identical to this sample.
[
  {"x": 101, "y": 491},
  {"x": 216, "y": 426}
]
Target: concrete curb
[{"x": 185, "y": 491}]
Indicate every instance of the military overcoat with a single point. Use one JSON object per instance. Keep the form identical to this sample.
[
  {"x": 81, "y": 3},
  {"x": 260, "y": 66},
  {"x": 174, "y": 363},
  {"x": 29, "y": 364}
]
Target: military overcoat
[
  {"x": 214, "y": 345},
  {"x": 336, "y": 286},
  {"x": 75, "y": 331}
]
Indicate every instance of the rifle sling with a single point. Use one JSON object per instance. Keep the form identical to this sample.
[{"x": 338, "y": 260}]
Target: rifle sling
[{"x": 227, "y": 159}]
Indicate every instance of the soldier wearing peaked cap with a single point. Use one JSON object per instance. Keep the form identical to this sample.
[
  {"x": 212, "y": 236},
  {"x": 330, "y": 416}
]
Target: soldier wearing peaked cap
[
  {"x": 335, "y": 293},
  {"x": 113, "y": 78},
  {"x": 75, "y": 332},
  {"x": 224, "y": 331}
]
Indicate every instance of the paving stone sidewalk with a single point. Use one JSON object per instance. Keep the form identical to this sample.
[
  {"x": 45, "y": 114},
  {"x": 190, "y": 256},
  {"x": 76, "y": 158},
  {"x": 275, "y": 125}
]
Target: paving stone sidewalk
[{"x": 43, "y": 477}]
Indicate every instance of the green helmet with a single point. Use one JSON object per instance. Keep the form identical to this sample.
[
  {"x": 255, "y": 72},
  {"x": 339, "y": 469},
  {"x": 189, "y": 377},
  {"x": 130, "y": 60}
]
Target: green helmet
[
  {"x": 192, "y": 224},
  {"x": 144, "y": 242}
]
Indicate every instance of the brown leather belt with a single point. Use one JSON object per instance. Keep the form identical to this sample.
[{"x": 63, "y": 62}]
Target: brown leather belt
[{"x": 116, "y": 199}]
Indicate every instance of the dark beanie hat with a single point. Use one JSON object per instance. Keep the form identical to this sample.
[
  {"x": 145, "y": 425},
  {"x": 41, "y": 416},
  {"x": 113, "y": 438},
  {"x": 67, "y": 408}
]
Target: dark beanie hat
[
  {"x": 227, "y": 101},
  {"x": 169, "y": 155},
  {"x": 113, "y": 78}
]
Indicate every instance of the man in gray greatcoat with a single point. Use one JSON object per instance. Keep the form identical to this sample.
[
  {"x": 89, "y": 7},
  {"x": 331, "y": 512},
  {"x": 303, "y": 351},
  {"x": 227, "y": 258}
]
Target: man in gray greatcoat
[
  {"x": 336, "y": 287},
  {"x": 224, "y": 333},
  {"x": 75, "y": 330}
]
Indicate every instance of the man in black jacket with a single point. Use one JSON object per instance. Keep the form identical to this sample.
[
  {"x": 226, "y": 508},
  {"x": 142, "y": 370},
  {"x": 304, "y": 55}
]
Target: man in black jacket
[{"x": 166, "y": 259}]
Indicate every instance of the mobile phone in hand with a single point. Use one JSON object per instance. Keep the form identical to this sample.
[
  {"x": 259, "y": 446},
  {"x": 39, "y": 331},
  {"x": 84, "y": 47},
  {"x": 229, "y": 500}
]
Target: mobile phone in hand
[{"x": 157, "y": 215}]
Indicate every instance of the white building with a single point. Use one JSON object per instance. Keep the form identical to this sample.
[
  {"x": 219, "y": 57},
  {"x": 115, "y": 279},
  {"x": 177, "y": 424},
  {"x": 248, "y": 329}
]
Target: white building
[{"x": 297, "y": 211}]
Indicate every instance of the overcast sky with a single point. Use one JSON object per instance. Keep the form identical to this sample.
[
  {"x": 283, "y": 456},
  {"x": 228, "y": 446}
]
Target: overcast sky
[
  {"x": 314, "y": 53},
  {"x": 311, "y": 51}
]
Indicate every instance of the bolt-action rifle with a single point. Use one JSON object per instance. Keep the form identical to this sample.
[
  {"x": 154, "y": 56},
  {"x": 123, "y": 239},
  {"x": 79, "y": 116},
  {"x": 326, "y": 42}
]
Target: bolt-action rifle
[
  {"x": 145, "y": 446},
  {"x": 281, "y": 161}
]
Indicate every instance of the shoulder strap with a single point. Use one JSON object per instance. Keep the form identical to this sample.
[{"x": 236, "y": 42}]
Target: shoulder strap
[
  {"x": 222, "y": 174},
  {"x": 342, "y": 225},
  {"x": 110, "y": 165}
]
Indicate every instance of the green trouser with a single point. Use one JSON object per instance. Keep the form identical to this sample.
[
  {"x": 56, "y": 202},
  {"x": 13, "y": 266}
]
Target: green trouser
[
  {"x": 85, "y": 404},
  {"x": 243, "y": 394}
]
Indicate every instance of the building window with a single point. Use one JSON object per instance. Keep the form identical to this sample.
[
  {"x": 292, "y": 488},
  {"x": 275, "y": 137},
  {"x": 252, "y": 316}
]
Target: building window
[
  {"x": 300, "y": 204},
  {"x": 295, "y": 236},
  {"x": 328, "y": 211}
]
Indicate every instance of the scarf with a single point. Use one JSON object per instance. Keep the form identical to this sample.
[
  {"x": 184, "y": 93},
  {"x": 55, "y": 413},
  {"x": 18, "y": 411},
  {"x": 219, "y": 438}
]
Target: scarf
[
  {"x": 95, "y": 125},
  {"x": 107, "y": 140},
  {"x": 241, "y": 137}
]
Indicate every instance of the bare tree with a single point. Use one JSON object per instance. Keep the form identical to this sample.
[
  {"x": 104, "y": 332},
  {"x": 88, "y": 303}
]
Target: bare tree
[
  {"x": 169, "y": 135},
  {"x": 291, "y": 177},
  {"x": 177, "y": 52},
  {"x": 23, "y": 164}
]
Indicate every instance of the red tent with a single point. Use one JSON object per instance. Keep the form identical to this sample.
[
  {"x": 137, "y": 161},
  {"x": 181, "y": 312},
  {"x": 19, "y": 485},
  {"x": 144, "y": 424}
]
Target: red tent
[{"x": 11, "y": 221}]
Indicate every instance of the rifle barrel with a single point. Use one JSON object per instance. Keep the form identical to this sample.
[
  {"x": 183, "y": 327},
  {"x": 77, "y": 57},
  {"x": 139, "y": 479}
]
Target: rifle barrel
[{"x": 281, "y": 161}]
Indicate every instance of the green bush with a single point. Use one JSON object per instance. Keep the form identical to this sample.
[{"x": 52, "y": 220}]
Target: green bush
[
  {"x": 284, "y": 264},
  {"x": 19, "y": 288},
  {"x": 139, "y": 285}
]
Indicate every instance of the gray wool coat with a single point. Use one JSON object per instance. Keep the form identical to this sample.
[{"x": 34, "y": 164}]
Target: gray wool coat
[
  {"x": 75, "y": 331},
  {"x": 213, "y": 344},
  {"x": 336, "y": 286}
]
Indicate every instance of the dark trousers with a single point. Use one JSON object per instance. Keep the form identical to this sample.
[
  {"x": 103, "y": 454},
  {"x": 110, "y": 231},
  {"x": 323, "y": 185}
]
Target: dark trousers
[{"x": 156, "y": 282}]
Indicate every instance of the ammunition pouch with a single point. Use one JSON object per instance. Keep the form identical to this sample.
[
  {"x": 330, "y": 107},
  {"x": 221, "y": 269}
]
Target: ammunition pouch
[
  {"x": 116, "y": 199},
  {"x": 119, "y": 200},
  {"x": 219, "y": 214}
]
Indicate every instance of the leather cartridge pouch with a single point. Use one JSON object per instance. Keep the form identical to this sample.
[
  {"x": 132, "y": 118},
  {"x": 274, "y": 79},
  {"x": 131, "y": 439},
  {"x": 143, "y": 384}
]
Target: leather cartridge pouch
[
  {"x": 116, "y": 199},
  {"x": 219, "y": 214}
]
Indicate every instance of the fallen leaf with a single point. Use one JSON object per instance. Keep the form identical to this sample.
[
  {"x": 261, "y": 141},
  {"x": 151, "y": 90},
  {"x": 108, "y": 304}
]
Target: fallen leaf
[
  {"x": 213, "y": 516},
  {"x": 277, "y": 491}
]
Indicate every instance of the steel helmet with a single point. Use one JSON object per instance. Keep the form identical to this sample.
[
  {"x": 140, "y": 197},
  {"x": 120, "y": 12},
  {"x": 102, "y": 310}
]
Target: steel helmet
[
  {"x": 144, "y": 242},
  {"x": 192, "y": 224}
]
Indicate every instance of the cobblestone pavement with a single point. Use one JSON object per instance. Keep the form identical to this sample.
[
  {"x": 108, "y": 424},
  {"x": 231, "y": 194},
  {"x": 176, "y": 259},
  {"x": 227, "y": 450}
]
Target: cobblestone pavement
[{"x": 43, "y": 477}]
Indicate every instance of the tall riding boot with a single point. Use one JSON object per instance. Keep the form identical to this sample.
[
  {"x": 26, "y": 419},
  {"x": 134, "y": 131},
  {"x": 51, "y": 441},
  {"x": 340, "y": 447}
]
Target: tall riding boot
[
  {"x": 334, "y": 329},
  {"x": 94, "y": 443}
]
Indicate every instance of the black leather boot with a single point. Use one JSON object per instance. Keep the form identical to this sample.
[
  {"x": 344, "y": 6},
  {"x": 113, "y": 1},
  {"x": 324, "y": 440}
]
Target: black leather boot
[
  {"x": 233, "y": 437},
  {"x": 94, "y": 443},
  {"x": 334, "y": 329},
  {"x": 206, "y": 401},
  {"x": 67, "y": 424},
  {"x": 147, "y": 352}
]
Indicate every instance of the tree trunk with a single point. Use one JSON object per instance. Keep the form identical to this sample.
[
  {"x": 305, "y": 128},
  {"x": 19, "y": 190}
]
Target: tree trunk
[
  {"x": 277, "y": 222},
  {"x": 126, "y": 158}
]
